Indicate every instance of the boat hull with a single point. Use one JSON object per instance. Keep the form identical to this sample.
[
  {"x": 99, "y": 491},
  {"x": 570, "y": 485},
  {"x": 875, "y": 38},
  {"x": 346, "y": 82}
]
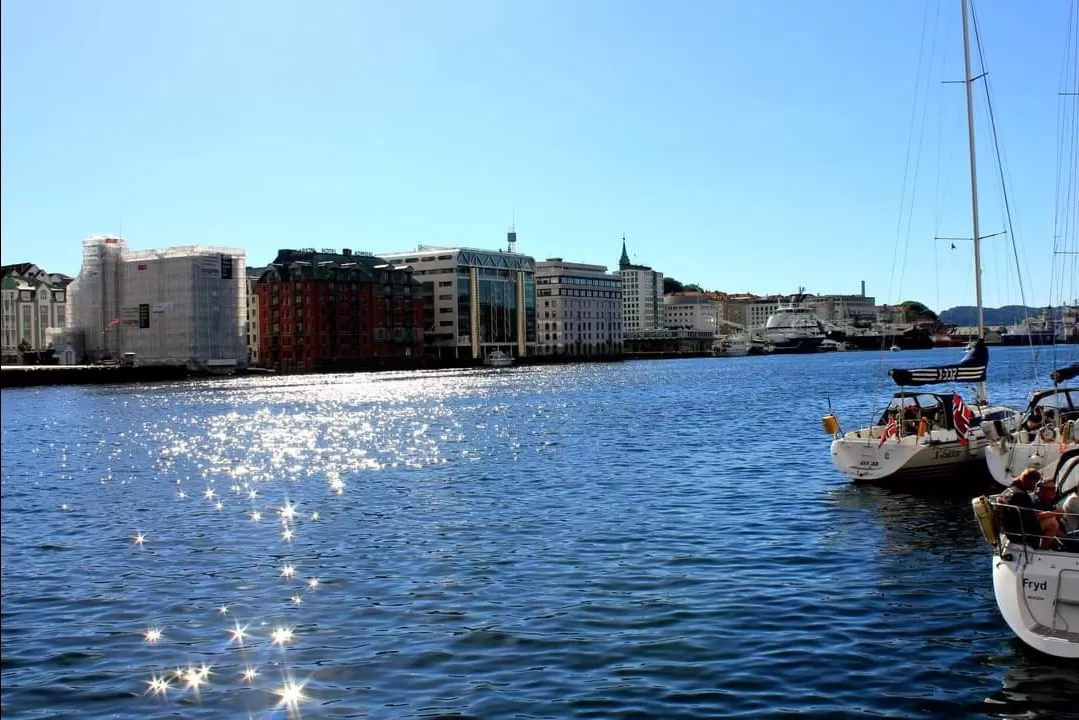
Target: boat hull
[
  {"x": 1037, "y": 593},
  {"x": 1006, "y": 461},
  {"x": 938, "y": 465}
]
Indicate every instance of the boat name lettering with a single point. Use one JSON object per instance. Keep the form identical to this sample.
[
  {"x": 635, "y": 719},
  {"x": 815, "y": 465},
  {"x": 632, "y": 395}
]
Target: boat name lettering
[
  {"x": 947, "y": 454},
  {"x": 869, "y": 463},
  {"x": 1035, "y": 585}
]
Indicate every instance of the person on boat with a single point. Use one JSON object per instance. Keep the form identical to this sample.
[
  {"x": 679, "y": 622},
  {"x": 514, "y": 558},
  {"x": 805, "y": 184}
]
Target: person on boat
[
  {"x": 1017, "y": 516},
  {"x": 1050, "y": 514},
  {"x": 911, "y": 416},
  {"x": 1033, "y": 423}
]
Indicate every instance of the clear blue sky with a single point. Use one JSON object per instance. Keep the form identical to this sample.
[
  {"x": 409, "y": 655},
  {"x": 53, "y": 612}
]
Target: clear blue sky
[{"x": 741, "y": 144}]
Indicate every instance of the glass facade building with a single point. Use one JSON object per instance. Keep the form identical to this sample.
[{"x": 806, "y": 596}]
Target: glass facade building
[{"x": 480, "y": 300}]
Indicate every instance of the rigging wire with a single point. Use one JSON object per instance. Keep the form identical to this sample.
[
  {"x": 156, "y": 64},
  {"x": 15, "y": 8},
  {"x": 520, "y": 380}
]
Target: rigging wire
[
  {"x": 1000, "y": 167},
  {"x": 1064, "y": 236},
  {"x": 885, "y": 338}
]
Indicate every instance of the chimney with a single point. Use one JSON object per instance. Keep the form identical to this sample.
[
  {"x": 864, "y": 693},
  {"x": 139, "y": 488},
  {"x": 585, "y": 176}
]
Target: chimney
[
  {"x": 863, "y": 288},
  {"x": 511, "y": 240}
]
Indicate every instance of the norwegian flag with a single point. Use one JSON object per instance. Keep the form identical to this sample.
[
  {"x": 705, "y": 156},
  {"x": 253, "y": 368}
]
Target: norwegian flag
[
  {"x": 961, "y": 416},
  {"x": 890, "y": 430}
]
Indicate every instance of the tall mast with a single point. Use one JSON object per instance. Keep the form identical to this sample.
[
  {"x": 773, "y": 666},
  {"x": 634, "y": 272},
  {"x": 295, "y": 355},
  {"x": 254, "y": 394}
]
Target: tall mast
[{"x": 968, "y": 81}]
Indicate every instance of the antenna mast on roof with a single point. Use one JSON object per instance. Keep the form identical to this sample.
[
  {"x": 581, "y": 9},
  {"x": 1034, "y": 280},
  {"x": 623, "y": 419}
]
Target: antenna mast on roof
[{"x": 511, "y": 236}]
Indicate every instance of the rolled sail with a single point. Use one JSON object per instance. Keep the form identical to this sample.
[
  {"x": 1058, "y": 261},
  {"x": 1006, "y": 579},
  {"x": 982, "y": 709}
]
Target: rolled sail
[
  {"x": 1065, "y": 373},
  {"x": 970, "y": 369}
]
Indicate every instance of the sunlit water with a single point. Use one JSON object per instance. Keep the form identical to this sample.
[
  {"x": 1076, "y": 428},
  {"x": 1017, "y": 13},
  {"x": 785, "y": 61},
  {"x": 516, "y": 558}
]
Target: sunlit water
[{"x": 647, "y": 539}]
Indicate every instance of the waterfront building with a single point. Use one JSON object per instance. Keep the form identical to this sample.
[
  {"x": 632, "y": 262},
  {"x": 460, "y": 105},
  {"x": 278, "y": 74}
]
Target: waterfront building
[
  {"x": 642, "y": 296},
  {"x": 181, "y": 305},
  {"x": 479, "y": 300},
  {"x": 578, "y": 309},
  {"x": 252, "y": 324},
  {"x": 32, "y": 302},
  {"x": 858, "y": 310},
  {"x": 321, "y": 309},
  {"x": 691, "y": 311}
]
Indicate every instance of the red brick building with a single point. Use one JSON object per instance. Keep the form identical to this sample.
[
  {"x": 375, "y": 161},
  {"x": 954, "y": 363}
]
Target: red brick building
[{"x": 323, "y": 310}]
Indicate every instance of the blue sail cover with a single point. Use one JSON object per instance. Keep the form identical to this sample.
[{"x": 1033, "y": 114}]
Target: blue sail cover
[
  {"x": 1065, "y": 373},
  {"x": 970, "y": 369}
]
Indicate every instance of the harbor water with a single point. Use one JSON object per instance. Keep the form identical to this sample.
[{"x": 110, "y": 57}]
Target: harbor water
[{"x": 654, "y": 539}]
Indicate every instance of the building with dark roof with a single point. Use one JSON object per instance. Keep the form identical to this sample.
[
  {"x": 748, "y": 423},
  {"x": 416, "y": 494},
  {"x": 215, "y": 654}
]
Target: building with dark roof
[{"x": 322, "y": 309}]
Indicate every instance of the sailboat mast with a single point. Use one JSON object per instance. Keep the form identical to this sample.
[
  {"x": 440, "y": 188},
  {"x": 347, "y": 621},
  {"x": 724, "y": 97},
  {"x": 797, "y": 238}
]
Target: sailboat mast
[{"x": 968, "y": 81}]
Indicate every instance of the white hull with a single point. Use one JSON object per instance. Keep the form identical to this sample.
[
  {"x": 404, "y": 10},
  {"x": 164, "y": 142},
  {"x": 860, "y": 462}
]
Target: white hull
[
  {"x": 912, "y": 458},
  {"x": 935, "y": 455},
  {"x": 1005, "y": 461},
  {"x": 1037, "y": 592}
]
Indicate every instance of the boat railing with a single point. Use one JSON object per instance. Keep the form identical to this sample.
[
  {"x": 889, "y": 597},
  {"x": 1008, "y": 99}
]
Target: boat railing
[{"x": 1031, "y": 528}]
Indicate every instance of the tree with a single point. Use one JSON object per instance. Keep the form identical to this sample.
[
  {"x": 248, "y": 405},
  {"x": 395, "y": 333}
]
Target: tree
[
  {"x": 670, "y": 285},
  {"x": 25, "y": 346},
  {"x": 916, "y": 310}
]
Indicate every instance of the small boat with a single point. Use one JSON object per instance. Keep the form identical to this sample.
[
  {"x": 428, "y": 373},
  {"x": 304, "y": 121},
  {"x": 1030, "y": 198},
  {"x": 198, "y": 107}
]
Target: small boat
[
  {"x": 740, "y": 346},
  {"x": 1037, "y": 590},
  {"x": 894, "y": 348},
  {"x": 497, "y": 358}
]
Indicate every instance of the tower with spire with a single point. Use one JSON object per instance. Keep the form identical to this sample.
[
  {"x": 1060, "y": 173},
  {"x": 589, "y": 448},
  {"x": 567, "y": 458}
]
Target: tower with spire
[{"x": 624, "y": 260}]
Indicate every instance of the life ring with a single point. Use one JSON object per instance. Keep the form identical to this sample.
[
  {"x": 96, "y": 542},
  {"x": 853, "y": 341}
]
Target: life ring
[
  {"x": 1047, "y": 434},
  {"x": 983, "y": 512}
]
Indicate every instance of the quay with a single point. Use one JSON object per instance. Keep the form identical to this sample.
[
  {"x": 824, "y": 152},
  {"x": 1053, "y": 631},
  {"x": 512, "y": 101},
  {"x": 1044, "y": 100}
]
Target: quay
[
  {"x": 36, "y": 375},
  {"x": 15, "y": 376}
]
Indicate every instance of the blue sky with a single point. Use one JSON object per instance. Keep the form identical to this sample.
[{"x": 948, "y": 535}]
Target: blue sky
[{"x": 741, "y": 144}]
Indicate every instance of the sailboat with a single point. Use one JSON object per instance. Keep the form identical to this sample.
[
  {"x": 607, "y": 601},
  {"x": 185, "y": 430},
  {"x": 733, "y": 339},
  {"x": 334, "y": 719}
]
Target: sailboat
[
  {"x": 1036, "y": 583},
  {"x": 926, "y": 438},
  {"x": 1050, "y": 428}
]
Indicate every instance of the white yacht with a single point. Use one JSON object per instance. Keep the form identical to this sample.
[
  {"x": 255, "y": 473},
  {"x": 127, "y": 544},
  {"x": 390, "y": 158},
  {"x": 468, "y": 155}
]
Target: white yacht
[
  {"x": 497, "y": 358},
  {"x": 739, "y": 346},
  {"x": 921, "y": 437},
  {"x": 794, "y": 327},
  {"x": 1053, "y": 430},
  {"x": 1037, "y": 589}
]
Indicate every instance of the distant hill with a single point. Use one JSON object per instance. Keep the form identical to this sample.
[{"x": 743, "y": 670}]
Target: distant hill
[{"x": 967, "y": 315}]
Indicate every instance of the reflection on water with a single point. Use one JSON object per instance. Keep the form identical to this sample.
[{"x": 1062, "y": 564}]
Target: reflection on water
[
  {"x": 1037, "y": 687},
  {"x": 642, "y": 540}
]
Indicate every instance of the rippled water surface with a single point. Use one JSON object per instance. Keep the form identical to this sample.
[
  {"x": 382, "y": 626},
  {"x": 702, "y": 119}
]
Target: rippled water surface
[{"x": 646, "y": 539}]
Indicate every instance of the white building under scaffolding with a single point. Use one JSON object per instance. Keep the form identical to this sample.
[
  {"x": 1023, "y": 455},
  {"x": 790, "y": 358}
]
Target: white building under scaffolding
[{"x": 183, "y": 305}]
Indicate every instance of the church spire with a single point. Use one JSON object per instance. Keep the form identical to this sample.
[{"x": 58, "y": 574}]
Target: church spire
[{"x": 624, "y": 260}]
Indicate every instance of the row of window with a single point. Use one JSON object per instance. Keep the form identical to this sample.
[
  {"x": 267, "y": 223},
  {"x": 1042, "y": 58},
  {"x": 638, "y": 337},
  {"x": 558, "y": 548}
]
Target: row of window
[
  {"x": 565, "y": 292},
  {"x": 569, "y": 280}
]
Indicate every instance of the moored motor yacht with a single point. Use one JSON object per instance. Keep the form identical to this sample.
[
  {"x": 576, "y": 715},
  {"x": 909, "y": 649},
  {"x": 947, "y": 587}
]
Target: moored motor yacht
[{"x": 794, "y": 327}]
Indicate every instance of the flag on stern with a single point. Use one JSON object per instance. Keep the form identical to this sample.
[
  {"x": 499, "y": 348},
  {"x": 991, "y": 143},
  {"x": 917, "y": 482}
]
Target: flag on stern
[{"x": 961, "y": 416}]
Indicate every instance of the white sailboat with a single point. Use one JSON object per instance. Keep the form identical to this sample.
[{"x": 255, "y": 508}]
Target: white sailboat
[
  {"x": 930, "y": 437},
  {"x": 1050, "y": 428},
  {"x": 1036, "y": 588}
]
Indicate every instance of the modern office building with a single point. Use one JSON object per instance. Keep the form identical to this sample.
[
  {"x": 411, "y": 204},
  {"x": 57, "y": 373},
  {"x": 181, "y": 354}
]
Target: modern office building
[
  {"x": 578, "y": 309},
  {"x": 479, "y": 300}
]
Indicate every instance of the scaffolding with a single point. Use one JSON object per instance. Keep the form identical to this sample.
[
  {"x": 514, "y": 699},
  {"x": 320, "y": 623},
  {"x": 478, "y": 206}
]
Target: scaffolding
[
  {"x": 94, "y": 296},
  {"x": 182, "y": 305}
]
